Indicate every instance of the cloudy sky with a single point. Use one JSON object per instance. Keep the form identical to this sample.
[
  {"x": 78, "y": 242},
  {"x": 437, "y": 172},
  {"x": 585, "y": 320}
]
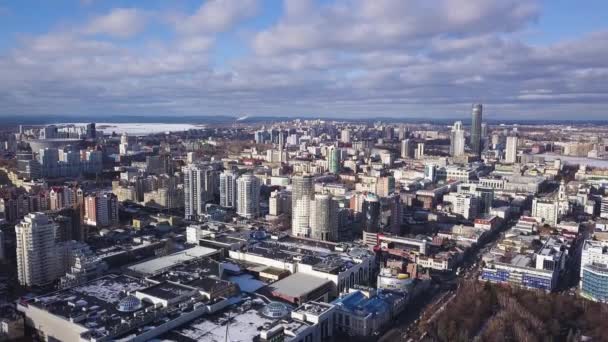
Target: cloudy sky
[{"x": 523, "y": 59}]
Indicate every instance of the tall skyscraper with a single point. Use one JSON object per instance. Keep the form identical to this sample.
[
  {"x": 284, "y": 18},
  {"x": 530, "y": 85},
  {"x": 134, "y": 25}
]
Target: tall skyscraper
[
  {"x": 457, "y": 140},
  {"x": 228, "y": 189},
  {"x": 302, "y": 194},
  {"x": 199, "y": 188},
  {"x": 511, "y": 151},
  {"x": 248, "y": 193},
  {"x": 36, "y": 253},
  {"x": 323, "y": 218},
  {"x": 333, "y": 158},
  {"x": 406, "y": 149},
  {"x": 476, "y": 130}
]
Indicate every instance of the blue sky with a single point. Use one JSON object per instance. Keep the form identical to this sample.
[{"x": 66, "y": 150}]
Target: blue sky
[{"x": 521, "y": 58}]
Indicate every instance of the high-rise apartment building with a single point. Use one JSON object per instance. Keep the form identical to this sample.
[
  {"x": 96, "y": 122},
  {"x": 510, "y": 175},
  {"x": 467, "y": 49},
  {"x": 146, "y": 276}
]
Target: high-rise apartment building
[
  {"x": 248, "y": 196},
  {"x": 37, "y": 262},
  {"x": 199, "y": 188},
  {"x": 324, "y": 218},
  {"x": 302, "y": 194},
  {"x": 228, "y": 189}
]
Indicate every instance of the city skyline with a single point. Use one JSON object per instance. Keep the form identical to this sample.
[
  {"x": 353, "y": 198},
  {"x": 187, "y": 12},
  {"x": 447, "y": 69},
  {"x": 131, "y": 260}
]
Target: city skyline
[{"x": 521, "y": 59}]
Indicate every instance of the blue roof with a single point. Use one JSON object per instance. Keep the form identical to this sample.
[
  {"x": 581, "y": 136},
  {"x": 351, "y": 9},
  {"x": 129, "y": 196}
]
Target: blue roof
[{"x": 358, "y": 304}]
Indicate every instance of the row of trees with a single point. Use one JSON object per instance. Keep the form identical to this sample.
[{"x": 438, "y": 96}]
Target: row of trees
[{"x": 486, "y": 312}]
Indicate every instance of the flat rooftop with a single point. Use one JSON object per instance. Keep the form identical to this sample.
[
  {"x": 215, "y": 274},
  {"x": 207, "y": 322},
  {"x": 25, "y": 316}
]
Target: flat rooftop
[
  {"x": 93, "y": 304},
  {"x": 166, "y": 291},
  {"x": 157, "y": 265},
  {"x": 297, "y": 285},
  {"x": 190, "y": 270}
]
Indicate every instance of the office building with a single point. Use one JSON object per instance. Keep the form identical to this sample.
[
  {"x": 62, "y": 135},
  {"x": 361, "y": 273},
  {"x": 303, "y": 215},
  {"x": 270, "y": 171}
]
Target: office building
[
  {"x": 302, "y": 195},
  {"x": 248, "y": 196},
  {"x": 228, "y": 189},
  {"x": 457, "y": 141},
  {"x": 476, "y": 129},
  {"x": 511, "y": 151},
  {"x": 371, "y": 213}
]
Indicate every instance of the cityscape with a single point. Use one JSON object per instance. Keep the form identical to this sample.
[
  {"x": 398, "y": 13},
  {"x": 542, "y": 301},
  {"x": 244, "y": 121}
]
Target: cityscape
[{"x": 303, "y": 206}]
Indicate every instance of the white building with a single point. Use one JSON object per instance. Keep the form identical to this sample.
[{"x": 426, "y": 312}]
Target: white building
[
  {"x": 199, "y": 188},
  {"x": 37, "y": 260},
  {"x": 248, "y": 196},
  {"x": 511, "y": 151},
  {"x": 466, "y": 205},
  {"x": 406, "y": 149},
  {"x": 420, "y": 151},
  {"x": 457, "y": 140},
  {"x": 345, "y": 136},
  {"x": 546, "y": 210}
]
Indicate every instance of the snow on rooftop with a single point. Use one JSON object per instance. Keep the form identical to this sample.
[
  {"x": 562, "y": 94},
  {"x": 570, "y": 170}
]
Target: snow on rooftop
[
  {"x": 109, "y": 289},
  {"x": 247, "y": 282},
  {"x": 242, "y": 327}
]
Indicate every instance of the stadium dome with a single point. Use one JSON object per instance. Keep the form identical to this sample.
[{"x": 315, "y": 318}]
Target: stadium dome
[
  {"x": 129, "y": 304},
  {"x": 276, "y": 310}
]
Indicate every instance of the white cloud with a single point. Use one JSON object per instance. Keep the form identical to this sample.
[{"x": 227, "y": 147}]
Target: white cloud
[
  {"x": 119, "y": 23},
  {"x": 216, "y": 16},
  {"x": 352, "y": 57},
  {"x": 373, "y": 24}
]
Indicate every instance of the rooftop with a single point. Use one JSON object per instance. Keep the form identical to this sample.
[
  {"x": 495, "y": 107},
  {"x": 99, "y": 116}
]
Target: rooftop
[
  {"x": 297, "y": 284},
  {"x": 157, "y": 265}
]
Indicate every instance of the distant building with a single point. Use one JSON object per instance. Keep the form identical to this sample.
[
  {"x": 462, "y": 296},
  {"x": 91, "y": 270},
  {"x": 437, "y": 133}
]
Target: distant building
[
  {"x": 333, "y": 159},
  {"x": 406, "y": 149}
]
